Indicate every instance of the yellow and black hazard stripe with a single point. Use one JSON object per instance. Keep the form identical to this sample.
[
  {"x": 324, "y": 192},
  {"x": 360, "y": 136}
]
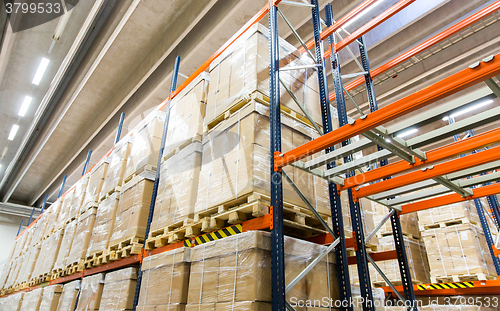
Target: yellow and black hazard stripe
[
  {"x": 453, "y": 285},
  {"x": 216, "y": 235}
]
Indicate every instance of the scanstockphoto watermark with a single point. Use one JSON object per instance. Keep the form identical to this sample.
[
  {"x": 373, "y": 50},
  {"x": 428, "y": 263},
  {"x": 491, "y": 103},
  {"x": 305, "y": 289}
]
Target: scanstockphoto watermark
[
  {"x": 358, "y": 302},
  {"x": 26, "y": 14}
]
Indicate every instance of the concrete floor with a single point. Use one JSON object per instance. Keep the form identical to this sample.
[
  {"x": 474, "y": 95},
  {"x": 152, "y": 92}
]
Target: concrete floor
[{"x": 129, "y": 63}]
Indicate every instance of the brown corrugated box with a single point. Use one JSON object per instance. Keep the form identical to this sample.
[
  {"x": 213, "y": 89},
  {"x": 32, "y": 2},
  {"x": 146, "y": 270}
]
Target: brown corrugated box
[
  {"x": 104, "y": 222},
  {"x": 48, "y": 253},
  {"x": 94, "y": 186},
  {"x": 117, "y": 164},
  {"x": 51, "y": 297},
  {"x": 65, "y": 248},
  {"x": 55, "y": 209},
  {"x": 90, "y": 293},
  {"x": 65, "y": 210},
  {"x": 133, "y": 210},
  {"x": 447, "y": 213},
  {"x": 69, "y": 294},
  {"x": 32, "y": 300},
  {"x": 84, "y": 227},
  {"x": 119, "y": 290},
  {"x": 79, "y": 196}
]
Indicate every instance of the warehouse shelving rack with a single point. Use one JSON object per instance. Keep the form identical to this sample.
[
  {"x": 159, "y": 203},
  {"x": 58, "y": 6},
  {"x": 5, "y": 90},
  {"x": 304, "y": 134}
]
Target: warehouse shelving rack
[{"x": 479, "y": 163}]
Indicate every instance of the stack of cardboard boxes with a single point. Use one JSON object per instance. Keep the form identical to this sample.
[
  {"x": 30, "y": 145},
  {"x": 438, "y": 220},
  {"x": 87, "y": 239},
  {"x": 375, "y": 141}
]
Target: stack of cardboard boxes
[
  {"x": 32, "y": 300},
  {"x": 113, "y": 178},
  {"x": 90, "y": 293},
  {"x": 119, "y": 290},
  {"x": 104, "y": 224},
  {"x": 48, "y": 254},
  {"x": 69, "y": 295},
  {"x": 50, "y": 298}
]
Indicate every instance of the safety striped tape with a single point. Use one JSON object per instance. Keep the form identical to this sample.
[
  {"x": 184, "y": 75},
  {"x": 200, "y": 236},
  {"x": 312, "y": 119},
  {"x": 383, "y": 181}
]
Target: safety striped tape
[
  {"x": 216, "y": 235},
  {"x": 446, "y": 285}
]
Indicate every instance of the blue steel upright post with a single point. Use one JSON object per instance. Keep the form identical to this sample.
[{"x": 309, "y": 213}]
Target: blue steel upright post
[
  {"x": 61, "y": 191},
  {"x": 173, "y": 86},
  {"x": 119, "y": 129},
  {"x": 87, "y": 161},
  {"x": 277, "y": 232},
  {"x": 20, "y": 226},
  {"x": 335, "y": 201},
  {"x": 44, "y": 203},
  {"x": 397, "y": 231}
]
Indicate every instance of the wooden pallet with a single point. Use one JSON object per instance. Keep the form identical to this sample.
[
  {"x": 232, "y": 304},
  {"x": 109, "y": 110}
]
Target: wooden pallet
[
  {"x": 40, "y": 279},
  {"x": 299, "y": 221},
  {"x": 395, "y": 283},
  {"x": 147, "y": 168},
  {"x": 462, "y": 278},
  {"x": 448, "y": 223},
  {"x": 182, "y": 145},
  {"x": 408, "y": 235},
  {"x": 117, "y": 189},
  {"x": 260, "y": 98},
  {"x": 92, "y": 260}
]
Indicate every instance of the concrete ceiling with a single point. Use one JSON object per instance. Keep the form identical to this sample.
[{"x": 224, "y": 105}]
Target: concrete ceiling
[{"x": 128, "y": 62}]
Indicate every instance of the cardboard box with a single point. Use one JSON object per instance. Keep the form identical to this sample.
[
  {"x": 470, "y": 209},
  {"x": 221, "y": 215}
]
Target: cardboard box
[
  {"x": 146, "y": 141},
  {"x": 65, "y": 210},
  {"x": 116, "y": 168},
  {"x": 55, "y": 209},
  {"x": 187, "y": 111},
  {"x": 66, "y": 243},
  {"x": 238, "y": 269},
  {"x": 243, "y": 306},
  {"x": 178, "y": 187},
  {"x": 244, "y": 68},
  {"x": 90, "y": 293},
  {"x": 103, "y": 226},
  {"x": 165, "y": 280},
  {"x": 32, "y": 300},
  {"x": 48, "y": 253},
  {"x": 460, "y": 249},
  {"x": 94, "y": 186},
  {"x": 119, "y": 290},
  {"x": 81, "y": 241},
  {"x": 133, "y": 210},
  {"x": 28, "y": 264},
  {"x": 51, "y": 297},
  {"x": 236, "y": 161},
  {"x": 409, "y": 222},
  {"x": 79, "y": 196},
  {"x": 39, "y": 228},
  {"x": 12, "y": 302},
  {"x": 449, "y": 212},
  {"x": 67, "y": 302}
]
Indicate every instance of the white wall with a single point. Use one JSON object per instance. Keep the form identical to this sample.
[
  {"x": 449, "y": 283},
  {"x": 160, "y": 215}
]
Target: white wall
[{"x": 8, "y": 229}]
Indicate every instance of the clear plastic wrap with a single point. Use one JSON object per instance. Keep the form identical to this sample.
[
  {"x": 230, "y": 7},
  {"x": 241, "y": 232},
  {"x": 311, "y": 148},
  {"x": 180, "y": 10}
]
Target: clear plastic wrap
[
  {"x": 378, "y": 299},
  {"x": 165, "y": 280},
  {"x": 178, "y": 187},
  {"x": 14, "y": 271},
  {"x": 50, "y": 298},
  {"x": 67, "y": 302},
  {"x": 244, "y": 68},
  {"x": 12, "y": 302},
  {"x": 55, "y": 209},
  {"x": 94, "y": 186},
  {"x": 236, "y": 161},
  {"x": 78, "y": 196},
  {"x": 116, "y": 168},
  {"x": 462, "y": 210},
  {"x": 409, "y": 222},
  {"x": 237, "y": 269},
  {"x": 81, "y": 240},
  {"x": 28, "y": 264},
  {"x": 65, "y": 210},
  {"x": 65, "y": 248},
  {"x": 21, "y": 242},
  {"x": 91, "y": 293},
  {"x": 48, "y": 254},
  {"x": 32, "y": 300},
  {"x": 5, "y": 273},
  {"x": 187, "y": 111},
  {"x": 39, "y": 228},
  {"x": 104, "y": 222},
  {"x": 119, "y": 290},
  {"x": 146, "y": 141},
  {"x": 133, "y": 210},
  {"x": 417, "y": 260},
  {"x": 458, "y": 250}
]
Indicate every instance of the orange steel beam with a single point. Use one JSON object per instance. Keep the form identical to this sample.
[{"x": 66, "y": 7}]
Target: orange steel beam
[
  {"x": 459, "y": 164},
  {"x": 341, "y": 22},
  {"x": 163, "y": 249},
  {"x": 489, "y": 287},
  {"x": 438, "y": 154},
  {"x": 417, "y": 100},
  {"x": 425, "y": 45},
  {"x": 68, "y": 278},
  {"x": 114, "y": 265},
  {"x": 263, "y": 222},
  {"x": 450, "y": 199},
  {"x": 381, "y": 256}
]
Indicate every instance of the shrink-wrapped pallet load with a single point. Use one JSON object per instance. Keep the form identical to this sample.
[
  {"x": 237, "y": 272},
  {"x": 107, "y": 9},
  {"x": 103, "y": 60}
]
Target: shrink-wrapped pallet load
[
  {"x": 187, "y": 111},
  {"x": 178, "y": 188},
  {"x": 28, "y": 264},
  {"x": 90, "y": 293},
  {"x": 12, "y": 302},
  {"x": 14, "y": 272},
  {"x": 119, "y": 290},
  {"x": 145, "y": 149},
  {"x": 433, "y": 217},
  {"x": 94, "y": 186},
  {"x": 116, "y": 169},
  {"x": 235, "y": 161},
  {"x": 237, "y": 269},
  {"x": 79, "y": 197},
  {"x": 39, "y": 228},
  {"x": 55, "y": 209},
  {"x": 165, "y": 280},
  {"x": 65, "y": 248},
  {"x": 133, "y": 210},
  {"x": 103, "y": 226},
  {"x": 81, "y": 240},
  {"x": 458, "y": 251},
  {"x": 65, "y": 210},
  {"x": 5, "y": 273},
  {"x": 32, "y": 300},
  {"x": 50, "y": 298},
  {"x": 69, "y": 295},
  {"x": 243, "y": 68},
  {"x": 21, "y": 242},
  {"x": 48, "y": 254}
]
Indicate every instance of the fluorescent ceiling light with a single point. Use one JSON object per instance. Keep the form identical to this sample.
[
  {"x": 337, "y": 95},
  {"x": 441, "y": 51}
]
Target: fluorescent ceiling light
[
  {"x": 13, "y": 131},
  {"x": 61, "y": 24},
  {"x": 409, "y": 132},
  {"x": 25, "y": 106},
  {"x": 40, "y": 71},
  {"x": 364, "y": 12},
  {"x": 461, "y": 112},
  {"x": 4, "y": 152}
]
